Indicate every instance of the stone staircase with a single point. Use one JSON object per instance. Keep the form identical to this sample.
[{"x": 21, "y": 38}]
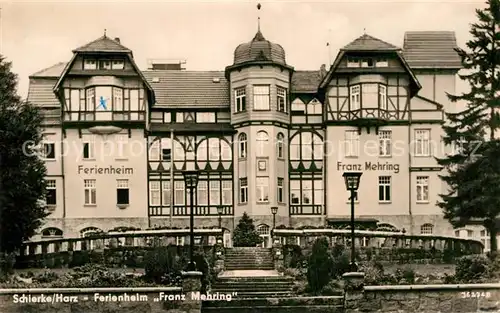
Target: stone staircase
[
  {"x": 254, "y": 286},
  {"x": 248, "y": 259}
]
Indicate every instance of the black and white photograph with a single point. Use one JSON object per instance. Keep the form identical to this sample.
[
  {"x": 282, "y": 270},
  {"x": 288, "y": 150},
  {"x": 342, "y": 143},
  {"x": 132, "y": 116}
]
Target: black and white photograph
[{"x": 250, "y": 156}]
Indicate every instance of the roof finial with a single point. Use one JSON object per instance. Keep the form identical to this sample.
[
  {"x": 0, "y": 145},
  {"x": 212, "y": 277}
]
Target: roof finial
[
  {"x": 364, "y": 30},
  {"x": 258, "y": 18},
  {"x": 104, "y": 32}
]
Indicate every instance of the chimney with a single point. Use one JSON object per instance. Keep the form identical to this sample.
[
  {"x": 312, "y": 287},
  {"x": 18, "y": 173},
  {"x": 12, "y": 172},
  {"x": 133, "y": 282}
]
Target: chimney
[
  {"x": 322, "y": 71},
  {"x": 117, "y": 39}
]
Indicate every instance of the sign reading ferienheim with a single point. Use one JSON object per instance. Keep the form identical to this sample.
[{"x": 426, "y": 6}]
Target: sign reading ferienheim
[{"x": 105, "y": 170}]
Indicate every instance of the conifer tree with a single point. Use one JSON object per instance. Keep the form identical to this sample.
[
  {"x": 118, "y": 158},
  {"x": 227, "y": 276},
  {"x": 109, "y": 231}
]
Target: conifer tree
[
  {"x": 22, "y": 172},
  {"x": 472, "y": 170},
  {"x": 245, "y": 234}
]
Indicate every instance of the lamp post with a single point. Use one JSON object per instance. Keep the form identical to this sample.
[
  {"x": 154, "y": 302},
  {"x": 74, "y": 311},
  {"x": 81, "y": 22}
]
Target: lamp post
[
  {"x": 191, "y": 181},
  {"x": 352, "y": 184},
  {"x": 274, "y": 210},
  {"x": 220, "y": 209}
]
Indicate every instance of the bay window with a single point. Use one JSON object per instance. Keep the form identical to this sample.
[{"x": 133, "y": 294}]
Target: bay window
[
  {"x": 261, "y": 97},
  {"x": 370, "y": 95}
]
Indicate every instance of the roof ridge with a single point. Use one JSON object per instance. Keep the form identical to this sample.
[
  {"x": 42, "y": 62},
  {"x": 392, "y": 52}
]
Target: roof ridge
[
  {"x": 104, "y": 37},
  {"x": 369, "y": 37}
]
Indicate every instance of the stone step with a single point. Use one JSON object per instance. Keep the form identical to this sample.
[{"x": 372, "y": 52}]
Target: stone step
[
  {"x": 251, "y": 279},
  {"x": 248, "y": 294},
  {"x": 249, "y": 267},
  {"x": 249, "y": 259},
  {"x": 248, "y": 263},
  {"x": 277, "y": 302},
  {"x": 252, "y": 288},
  {"x": 256, "y": 284},
  {"x": 277, "y": 309}
]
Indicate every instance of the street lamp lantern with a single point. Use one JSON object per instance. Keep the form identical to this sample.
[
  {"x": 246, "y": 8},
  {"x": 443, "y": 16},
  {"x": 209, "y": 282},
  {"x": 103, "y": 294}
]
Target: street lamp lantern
[
  {"x": 191, "y": 181},
  {"x": 274, "y": 211},
  {"x": 220, "y": 210},
  {"x": 352, "y": 180}
]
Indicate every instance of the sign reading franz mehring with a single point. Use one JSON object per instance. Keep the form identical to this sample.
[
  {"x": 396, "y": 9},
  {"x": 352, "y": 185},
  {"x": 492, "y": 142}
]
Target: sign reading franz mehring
[
  {"x": 105, "y": 170},
  {"x": 368, "y": 166}
]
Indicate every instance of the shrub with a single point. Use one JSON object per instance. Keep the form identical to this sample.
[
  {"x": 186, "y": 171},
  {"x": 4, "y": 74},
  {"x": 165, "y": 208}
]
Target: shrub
[
  {"x": 341, "y": 263},
  {"x": 245, "y": 234},
  {"x": 374, "y": 273},
  {"x": 295, "y": 256},
  {"x": 7, "y": 262},
  {"x": 333, "y": 288},
  {"x": 162, "y": 265},
  {"x": 320, "y": 265},
  {"x": 405, "y": 275},
  {"x": 473, "y": 268}
]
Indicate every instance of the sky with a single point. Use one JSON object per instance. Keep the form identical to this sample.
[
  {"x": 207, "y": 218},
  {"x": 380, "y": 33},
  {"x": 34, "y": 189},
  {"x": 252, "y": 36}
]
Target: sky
[{"x": 38, "y": 34}]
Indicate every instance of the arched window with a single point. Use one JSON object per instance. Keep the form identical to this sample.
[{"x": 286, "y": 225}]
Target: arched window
[
  {"x": 242, "y": 146},
  {"x": 426, "y": 229},
  {"x": 226, "y": 154},
  {"x": 280, "y": 149},
  {"x": 311, "y": 146},
  {"x": 52, "y": 232},
  {"x": 263, "y": 230},
  {"x": 178, "y": 151},
  {"x": 214, "y": 149},
  {"x": 202, "y": 151},
  {"x": 262, "y": 142},
  {"x": 154, "y": 150},
  {"x": 295, "y": 148},
  {"x": 89, "y": 231},
  {"x": 386, "y": 227}
]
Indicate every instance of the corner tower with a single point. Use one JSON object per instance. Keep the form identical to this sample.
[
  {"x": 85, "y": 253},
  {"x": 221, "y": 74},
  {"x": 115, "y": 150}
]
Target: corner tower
[{"x": 259, "y": 82}]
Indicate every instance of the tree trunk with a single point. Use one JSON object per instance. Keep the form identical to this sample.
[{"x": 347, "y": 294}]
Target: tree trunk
[{"x": 493, "y": 241}]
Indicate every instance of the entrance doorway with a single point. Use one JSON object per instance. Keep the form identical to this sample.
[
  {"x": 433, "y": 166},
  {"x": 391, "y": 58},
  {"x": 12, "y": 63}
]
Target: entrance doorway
[{"x": 264, "y": 232}]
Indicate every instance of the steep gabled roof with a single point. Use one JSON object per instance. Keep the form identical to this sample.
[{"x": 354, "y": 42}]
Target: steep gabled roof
[
  {"x": 40, "y": 92},
  {"x": 53, "y": 71},
  {"x": 372, "y": 45},
  {"x": 305, "y": 81},
  {"x": 431, "y": 49},
  {"x": 103, "y": 44},
  {"x": 369, "y": 43}
]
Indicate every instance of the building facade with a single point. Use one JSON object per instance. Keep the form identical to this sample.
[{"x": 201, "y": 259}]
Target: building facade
[{"x": 262, "y": 135}]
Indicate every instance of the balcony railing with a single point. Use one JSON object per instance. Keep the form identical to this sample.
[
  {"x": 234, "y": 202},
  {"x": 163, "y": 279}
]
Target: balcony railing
[
  {"x": 306, "y": 209},
  {"x": 182, "y": 210}
]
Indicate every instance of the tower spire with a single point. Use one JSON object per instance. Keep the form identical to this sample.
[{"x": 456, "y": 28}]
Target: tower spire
[{"x": 258, "y": 17}]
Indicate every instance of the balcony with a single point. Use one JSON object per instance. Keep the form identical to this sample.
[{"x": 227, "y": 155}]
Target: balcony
[{"x": 182, "y": 210}]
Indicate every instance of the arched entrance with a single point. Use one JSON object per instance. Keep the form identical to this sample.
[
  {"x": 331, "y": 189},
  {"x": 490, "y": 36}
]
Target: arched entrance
[{"x": 264, "y": 232}]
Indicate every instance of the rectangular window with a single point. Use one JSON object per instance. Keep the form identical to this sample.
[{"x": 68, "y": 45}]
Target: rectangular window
[
  {"x": 422, "y": 188},
  {"x": 166, "y": 192},
  {"x": 281, "y": 99},
  {"x": 179, "y": 117},
  {"x": 90, "y": 191},
  {"x": 295, "y": 191},
  {"x": 90, "y": 94},
  {"x": 352, "y": 62},
  {"x": 243, "y": 190},
  {"x": 384, "y": 188},
  {"x": 367, "y": 62},
  {"x": 470, "y": 233},
  {"x": 104, "y": 64},
  {"x": 51, "y": 197},
  {"x": 205, "y": 117},
  {"x": 179, "y": 192},
  {"x": 89, "y": 64},
  {"x": 385, "y": 142},
  {"x": 202, "y": 192},
  {"x": 351, "y": 143},
  {"x": 381, "y": 63},
  {"x": 118, "y": 65},
  {"x": 318, "y": 191},
  {"x": 134, "y": 100},
  {"x": 117, "y": 99},
  {"x": 88, "y": 147},
  {"x": 355, "y": 96},
  {"x": 122, "y": 192},
  {"x": 166, "y": 154},
  {"x": 75, "y": 100},
  {"x": 154, "y": 193},
  {"x": 240, "y": 99},
  {"x": 370, "y": 96},
  {"x": 49, "y": 151},
  {"x": 280, "y": 190},
  {"x": 227, "y": 192},
  {"x": 262, "y": 189},
  {"x": 307, "y": 191},
  {"x": 214, "y": 192},
  {"x": 261, "y": 97},
  {"x": 382, "y": 97},
  {"x": 422, "y": 142}
]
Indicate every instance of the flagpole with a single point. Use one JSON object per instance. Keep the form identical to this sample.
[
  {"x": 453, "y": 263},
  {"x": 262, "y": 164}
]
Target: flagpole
[{"x": 172, "y": 187}]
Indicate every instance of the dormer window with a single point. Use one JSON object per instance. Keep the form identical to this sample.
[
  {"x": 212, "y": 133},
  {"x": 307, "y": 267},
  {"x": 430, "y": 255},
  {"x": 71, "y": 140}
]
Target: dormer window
[
  {"x": 381, "y": 63},
  {"x": 89, "y": 65},
  {"x": 367, "y": 62},
  {"x": 118, "y": 65},
  {"x": 104, "y": 65},
  {"x": 352, "y": 62}
]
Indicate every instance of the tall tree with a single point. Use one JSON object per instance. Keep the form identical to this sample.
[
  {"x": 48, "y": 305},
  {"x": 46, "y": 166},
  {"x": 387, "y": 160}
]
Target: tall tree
[
  {"x": 245, "y": 234},
  {"x": 472, "y": 172},
  {"x": 22, "y": 184}
]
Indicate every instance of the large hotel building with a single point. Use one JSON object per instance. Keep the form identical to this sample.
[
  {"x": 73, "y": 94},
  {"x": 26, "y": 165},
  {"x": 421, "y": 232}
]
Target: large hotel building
[{"x": 262, "y": 134}]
